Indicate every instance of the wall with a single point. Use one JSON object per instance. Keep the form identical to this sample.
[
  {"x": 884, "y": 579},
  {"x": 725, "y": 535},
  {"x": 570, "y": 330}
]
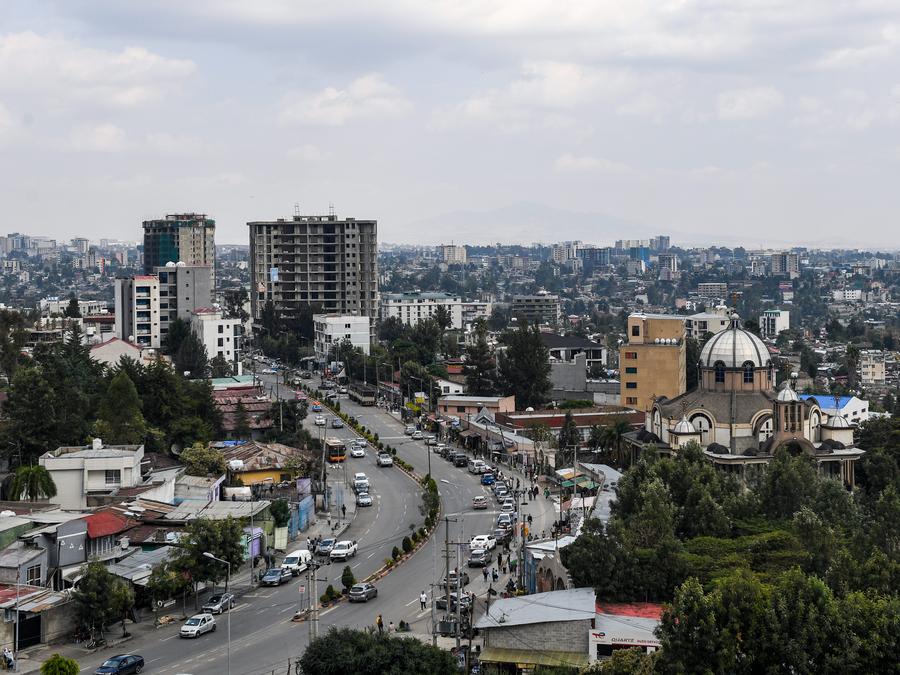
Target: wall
[
  {"x": 566, "y": 636},
  {"x": 69, "y": 488}
]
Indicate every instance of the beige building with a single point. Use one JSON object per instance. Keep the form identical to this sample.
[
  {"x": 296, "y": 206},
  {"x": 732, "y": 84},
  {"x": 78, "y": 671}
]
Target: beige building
[
  {"x": 652, "y": 364},
  {"x": 453, "y": 255},
  {"x": 871, "y": 367},
  {"x": 460, "y": 406}
]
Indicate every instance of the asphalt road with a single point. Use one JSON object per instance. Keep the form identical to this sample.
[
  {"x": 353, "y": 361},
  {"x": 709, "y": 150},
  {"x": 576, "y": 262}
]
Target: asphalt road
[{"x": 263, "y": 637}]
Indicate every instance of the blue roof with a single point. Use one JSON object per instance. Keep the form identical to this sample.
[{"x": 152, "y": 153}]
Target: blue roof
[{"x": 826, "y": 401}]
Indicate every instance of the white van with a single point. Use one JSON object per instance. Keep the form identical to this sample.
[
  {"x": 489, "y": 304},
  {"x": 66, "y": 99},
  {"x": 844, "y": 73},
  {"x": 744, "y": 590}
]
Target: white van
[
  {"x": 297, "y": 561},
  {"x": 476, "y": 466}
]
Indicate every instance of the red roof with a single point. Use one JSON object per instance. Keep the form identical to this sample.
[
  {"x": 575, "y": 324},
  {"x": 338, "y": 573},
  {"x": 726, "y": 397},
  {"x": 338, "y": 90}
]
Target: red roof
[
  {"x": 643, "y": 610},
  {"x": 105, "y": 523}
]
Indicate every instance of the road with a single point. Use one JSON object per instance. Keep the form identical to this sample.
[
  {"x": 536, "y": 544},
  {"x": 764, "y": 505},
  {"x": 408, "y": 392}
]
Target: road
[{"x": 264, "y": 638}]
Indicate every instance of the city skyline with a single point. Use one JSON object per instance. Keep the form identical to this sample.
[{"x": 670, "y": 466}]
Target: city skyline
[{"x": 769, "y": 127}]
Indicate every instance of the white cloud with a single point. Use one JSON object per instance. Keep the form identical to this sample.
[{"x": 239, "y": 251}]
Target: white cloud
[
  {"x": 174, "y": 144},
  {"x": 748, "y": 104},
  {"x": 98, "y": 138},
  {"x": 61, "y": 72},
  {"x": 850, "y": 57},
  {"x": 7, "y": 123},
  {"x": 570, "y": 163},
  {"x": 369, "y": 96},
  {"x": 307, "y": 153}
]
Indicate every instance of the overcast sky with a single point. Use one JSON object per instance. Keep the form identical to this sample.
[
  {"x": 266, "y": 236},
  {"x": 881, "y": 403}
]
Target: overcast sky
[{"x": 764, "y": 121}]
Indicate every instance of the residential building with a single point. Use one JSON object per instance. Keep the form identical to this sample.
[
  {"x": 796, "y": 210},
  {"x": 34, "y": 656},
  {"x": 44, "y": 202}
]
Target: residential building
[
  {"x": 668, "y": 266},
  {"x": 698, "y": 325},
  {"x": 773, "y": 321},
  {"x": 413, "y": 307},
  {"x": 331, "y": 329},
  {"x": 180, "y": 237},
  {"x": 448, "y": 387},
  {"x": 871, "y": 367},
  {"x": 712, "y": 290},
  {"x": 598, "y": 256},
  {"x": 453, "y": 255},
  {"x": 56, "y": 306},
  {"x": 652, "y": 364},
  {"x": 848, "y": 295},
  {"x": 853, "y": 409},
  {"x": 183, "y": 289},
  {"x": 111, "y": 351},
  {"x": 542, "y": 630},
  {"x": 137, "y": 310},
  {"x": 319, "y": 262},
  {"x": 460, "y": 406},
  {"x": 472, "y": 310},
  {"x": 254, "y": 462},
  {"x": 661, "y": 243},
  {"x": 785, "y": 265},
  {"x": 537, "y": 309},
  {"x": 564, "y": 348},
  {"x": 92, "y": 470},
  {"x": 221, "y": 337}
]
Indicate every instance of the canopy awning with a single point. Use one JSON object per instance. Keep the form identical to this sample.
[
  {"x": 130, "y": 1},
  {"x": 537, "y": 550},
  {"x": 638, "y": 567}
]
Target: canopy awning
[
  {"x": 567, "y": 483},
  {"x": 528, "y": 657}
]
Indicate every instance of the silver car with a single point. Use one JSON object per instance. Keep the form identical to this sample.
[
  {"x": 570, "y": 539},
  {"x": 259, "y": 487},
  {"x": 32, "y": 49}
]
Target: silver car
[
  {"x": 218, "y": 603},
  {"x": 197, "y": 625}
]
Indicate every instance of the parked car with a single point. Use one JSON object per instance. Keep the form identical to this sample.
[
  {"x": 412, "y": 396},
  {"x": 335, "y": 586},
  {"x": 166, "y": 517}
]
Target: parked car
[
  {"x": 306, "y": 374},
  {"x": 337, "y": 423},
  {"x": 487, "y": 479},
  {"x": 483, "y": 541},
  {"x": 197, "y": 625},
  {"x": 384, "y": 459},
  {"x": 297, "y": 561},
  {"x": 362, "y": 593},
  {"x": 275, "y": 576},
  {"x": 360, "y": 483},
  {"x": 460, "y": 459},
  {"x": 343, "y": 550},
  {"x": 480, "y": 502},
  {"x": 502, "y": 535},
  {"x": 326, "y": 385},
  {"x": 410, "y": 430},
  {"x": 123, "y": 664},
  {"x": 504, "y": 520},
  {"x": 430, "y": 440},
  {"x": 441, "y": 602},
  {"x": 218, "y": 603},
  {"x": 464, "y": 576},
  {"x": 417, "y": 435},
  {"x": 507, "y": 507},
  {"x": 364, "y": 499},
  {"x": 320, "y": 421},
  {"x": 479, "y": 558},
  {"x": 325, "y": 546},
  {"x": 342, "y": 390}
]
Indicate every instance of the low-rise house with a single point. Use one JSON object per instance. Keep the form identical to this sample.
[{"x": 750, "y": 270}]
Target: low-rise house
[
  {"x": 460, "y": 406},
  {"x": 34, "y": 615},
  {"x": 254, "y": 462},
  {"x": 110, "y": 353}
]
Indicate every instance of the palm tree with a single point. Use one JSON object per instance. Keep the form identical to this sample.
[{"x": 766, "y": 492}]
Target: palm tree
[
  {"x": 595, "y": 438},
  {"x": 615, "y": 430},
  {"x": 32, "y": 482}
]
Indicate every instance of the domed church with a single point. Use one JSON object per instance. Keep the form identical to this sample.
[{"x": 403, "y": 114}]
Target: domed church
[{"x": 739, "y": 419}]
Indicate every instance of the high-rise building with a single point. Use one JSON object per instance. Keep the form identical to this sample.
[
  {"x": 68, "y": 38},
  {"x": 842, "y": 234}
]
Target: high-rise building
[
  {"x": 137, "y": 310},
  {"x": 652, "y": 364},
  {"x": 319, "y": 262},
  {"x": 453, "y": 255},
  {"x": 661, "y": 243},
  {"x": 785, "y": 265},
  {"x": 180, "y": 237},
  {"x": 183, "y": 289},
  {"x": 536, "y": 309},
  {"x": 773, "y": 321}
]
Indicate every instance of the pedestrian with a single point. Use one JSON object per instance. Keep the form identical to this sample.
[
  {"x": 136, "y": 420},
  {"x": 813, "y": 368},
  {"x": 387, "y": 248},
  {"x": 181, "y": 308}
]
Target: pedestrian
[
  {"x": 518, "y": 484},
  {"x": 499, "y": 560},
  {"x": 380, "y": 623},
  {"x": 530, "y": 519},
  {"x": 484, "y": 573},
  {"x": 423, "y": 599},
  {"x": 390, "y": 626},
  {"x": 494, "y": 574},
  {"x": 343, "y": 510},
  {"x": 308, "y": 544}
]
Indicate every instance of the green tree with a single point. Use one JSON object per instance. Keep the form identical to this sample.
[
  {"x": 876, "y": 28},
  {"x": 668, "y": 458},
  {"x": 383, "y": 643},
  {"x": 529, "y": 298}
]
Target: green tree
[
  {"x": 32, "y": 482},
  {"x": 219, "y": 366},
  {"x": 121, "y": 601},
  {"x": 91, "y": 598},
  {"x": 202, "y": 460},
  {"x": 344, "y": 650},
  {"x": 569, "y": 440},
  {"x": 347, "y": 578},
  {"x": 60, "y": 665},
  {"x": 480, "y": 368},
  {"x": 634, "y": 661},
  {"x": 166, "y": 581},
  {"x": 120, "y": 419},
  {"x": 191, "y": 358},
  {"x": 281, "y": 512},
  {"x": 179, "y": 329},
  {"x": 222, "y": 538},
  {"x": 524, "y": 367},
  {"x": 789, "y": 483},
  {"x": 73, "y": 310},
  {"x": 242, "y": 429},
  {"x": 12, "y": 341},
  {"x": 690, "y": 634},
  {"x": 33, "y": 425}
]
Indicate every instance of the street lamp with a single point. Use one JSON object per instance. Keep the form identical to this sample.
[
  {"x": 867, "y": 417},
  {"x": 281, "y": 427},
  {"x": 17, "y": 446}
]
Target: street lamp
[{"x": 227, "y": 580}]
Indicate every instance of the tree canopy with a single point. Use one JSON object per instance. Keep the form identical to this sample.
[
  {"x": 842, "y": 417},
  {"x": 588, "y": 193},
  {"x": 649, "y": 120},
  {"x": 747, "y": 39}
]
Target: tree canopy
[{"x": 524, "y": 367}]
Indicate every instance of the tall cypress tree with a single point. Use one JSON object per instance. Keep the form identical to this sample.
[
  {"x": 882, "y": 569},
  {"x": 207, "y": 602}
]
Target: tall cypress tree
[
  {"x": 480, "y": 368},
  {"x": 524, "y": 368}
]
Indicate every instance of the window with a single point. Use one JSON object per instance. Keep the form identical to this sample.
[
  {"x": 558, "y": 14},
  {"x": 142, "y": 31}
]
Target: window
[
  {"x": 113, "y": 476},
  {"x": 636, "y": 331},
  {"x": 631, "y": 370},
  {"x": 33, "y": 575},
  {"x": 631, "y": 355},
  {"x": 631, "y": 385},
  {"x": 220, "y": 342},
  {"x": 221, "y": 328},
  {"x": 631, "y": 400},
  {"x": 461, "y": 408},
  {"x": 720, "y": 372},
  {"x": 748, "y": 372}
]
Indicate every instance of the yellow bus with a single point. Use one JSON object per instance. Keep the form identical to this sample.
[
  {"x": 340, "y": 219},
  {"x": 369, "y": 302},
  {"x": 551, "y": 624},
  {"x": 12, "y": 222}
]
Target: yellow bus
[{"x": 335, "y": 450}]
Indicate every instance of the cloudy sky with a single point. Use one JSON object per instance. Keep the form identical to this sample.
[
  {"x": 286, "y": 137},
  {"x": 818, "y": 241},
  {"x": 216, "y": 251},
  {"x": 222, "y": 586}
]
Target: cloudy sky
[{"x": 755, "y": 121}]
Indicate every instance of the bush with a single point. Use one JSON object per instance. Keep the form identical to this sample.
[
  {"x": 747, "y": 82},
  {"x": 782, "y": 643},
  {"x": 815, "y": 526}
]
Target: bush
[
  {"x": 60, "y": 665},
  {"x": 407, "y": 545},
  {"x": 395, "y": 553},
  {"x": 347, "y": 578},
  {"x": 422, "y": 533},
  {"x": 375, "y": 438},
  {"x": 429, "y": 521},
  {"x": 388, "y": 562},
  {"x": 414, "y": 537}
]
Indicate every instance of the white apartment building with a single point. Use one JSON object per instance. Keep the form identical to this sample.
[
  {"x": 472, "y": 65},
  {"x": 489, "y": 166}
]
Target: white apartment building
[
  {"x": 848, "y": 295},
  {"x": 713, "y": 290},
  {"x": 221, "y": 337},
  {"x": 57, "y": 306},
  {"x": 698, "y": 325},
  {"x": 96, "y": 469},
  {"x": 137, "y": 310},
  {"x": 453, "y": 255},
  {"x": 472, "y": 310},
  {"x": 773, "y": 321},
  {"x": 411, "y": 308},
  {"x": 871, "y": 367},
  {"x": 331, "y": 329}
]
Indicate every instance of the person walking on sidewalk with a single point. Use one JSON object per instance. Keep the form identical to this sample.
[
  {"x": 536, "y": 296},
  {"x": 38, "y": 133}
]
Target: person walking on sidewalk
[
  {"x": 380, "y": 623},
  {"x": 344, "y": 511},
  {"x": 484, "y": 573},
  {"x": 423, "y": 599}
]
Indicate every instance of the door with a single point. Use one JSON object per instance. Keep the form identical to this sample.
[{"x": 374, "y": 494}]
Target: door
[{"x": 29, "y": 630}]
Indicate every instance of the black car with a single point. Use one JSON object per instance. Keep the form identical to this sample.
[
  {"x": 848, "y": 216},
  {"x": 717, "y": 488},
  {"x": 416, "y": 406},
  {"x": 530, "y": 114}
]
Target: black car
[
  {"x": 362, "y": 593},
  {"x": 123, "y": 664},
  {"x": 276, "y": 576},
  {"x": 460, "y": 459}
]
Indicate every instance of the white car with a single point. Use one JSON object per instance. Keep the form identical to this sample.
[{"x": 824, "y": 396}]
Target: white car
[
  {"x": 485, "y": 541},
  {"x": 410, "y": 430},
  {"x": 357, "y": 451},
  {"x": 197, "y": 625},
  {"x": 320, "y": 421},
  {"x": 343, "y": 550},
  {"x": 385, "y": 459},
  {"x": 417, "y": 435}
]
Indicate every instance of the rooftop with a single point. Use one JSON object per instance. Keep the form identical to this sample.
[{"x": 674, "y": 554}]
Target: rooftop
[{"x": 574, "y": 604}]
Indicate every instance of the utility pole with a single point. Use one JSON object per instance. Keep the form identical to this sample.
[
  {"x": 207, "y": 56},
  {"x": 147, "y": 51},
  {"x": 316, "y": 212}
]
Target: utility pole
[
  {"x": 314, "y": 602},
  {"x": 458, "y": 597},
  {"x": 447, "y": 521}
]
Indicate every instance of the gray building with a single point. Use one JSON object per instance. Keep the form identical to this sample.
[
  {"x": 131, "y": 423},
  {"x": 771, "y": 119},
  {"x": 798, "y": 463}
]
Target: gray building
[
  {"x": 180, "y": 237},
  {"x": 537, "y": 309},
  {"x": 319, "y": 262},
  {"x": 183, "y": 289}
]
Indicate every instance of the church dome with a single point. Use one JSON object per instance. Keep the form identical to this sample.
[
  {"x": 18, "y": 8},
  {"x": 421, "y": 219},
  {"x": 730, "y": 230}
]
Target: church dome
[
  {"x": 837, "y": 422},
  {"x": 684, "y": 426},
  {"x": 734, "y": 347},
  {"x": 787, "y": 394}
]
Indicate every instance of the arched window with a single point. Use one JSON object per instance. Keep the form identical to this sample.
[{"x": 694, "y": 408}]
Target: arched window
[
  {"x": 748, "y": 372},
  {"x": 720, "y": 371}
]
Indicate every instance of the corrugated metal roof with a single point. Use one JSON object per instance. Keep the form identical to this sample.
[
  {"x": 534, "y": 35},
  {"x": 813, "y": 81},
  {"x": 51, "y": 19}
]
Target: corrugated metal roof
[
  {"x": 189, "y": 510},
  {"x": 105, "y": 523},
  {"x": 574, "y": 604},
  {"x": 533, "y": 657}
]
